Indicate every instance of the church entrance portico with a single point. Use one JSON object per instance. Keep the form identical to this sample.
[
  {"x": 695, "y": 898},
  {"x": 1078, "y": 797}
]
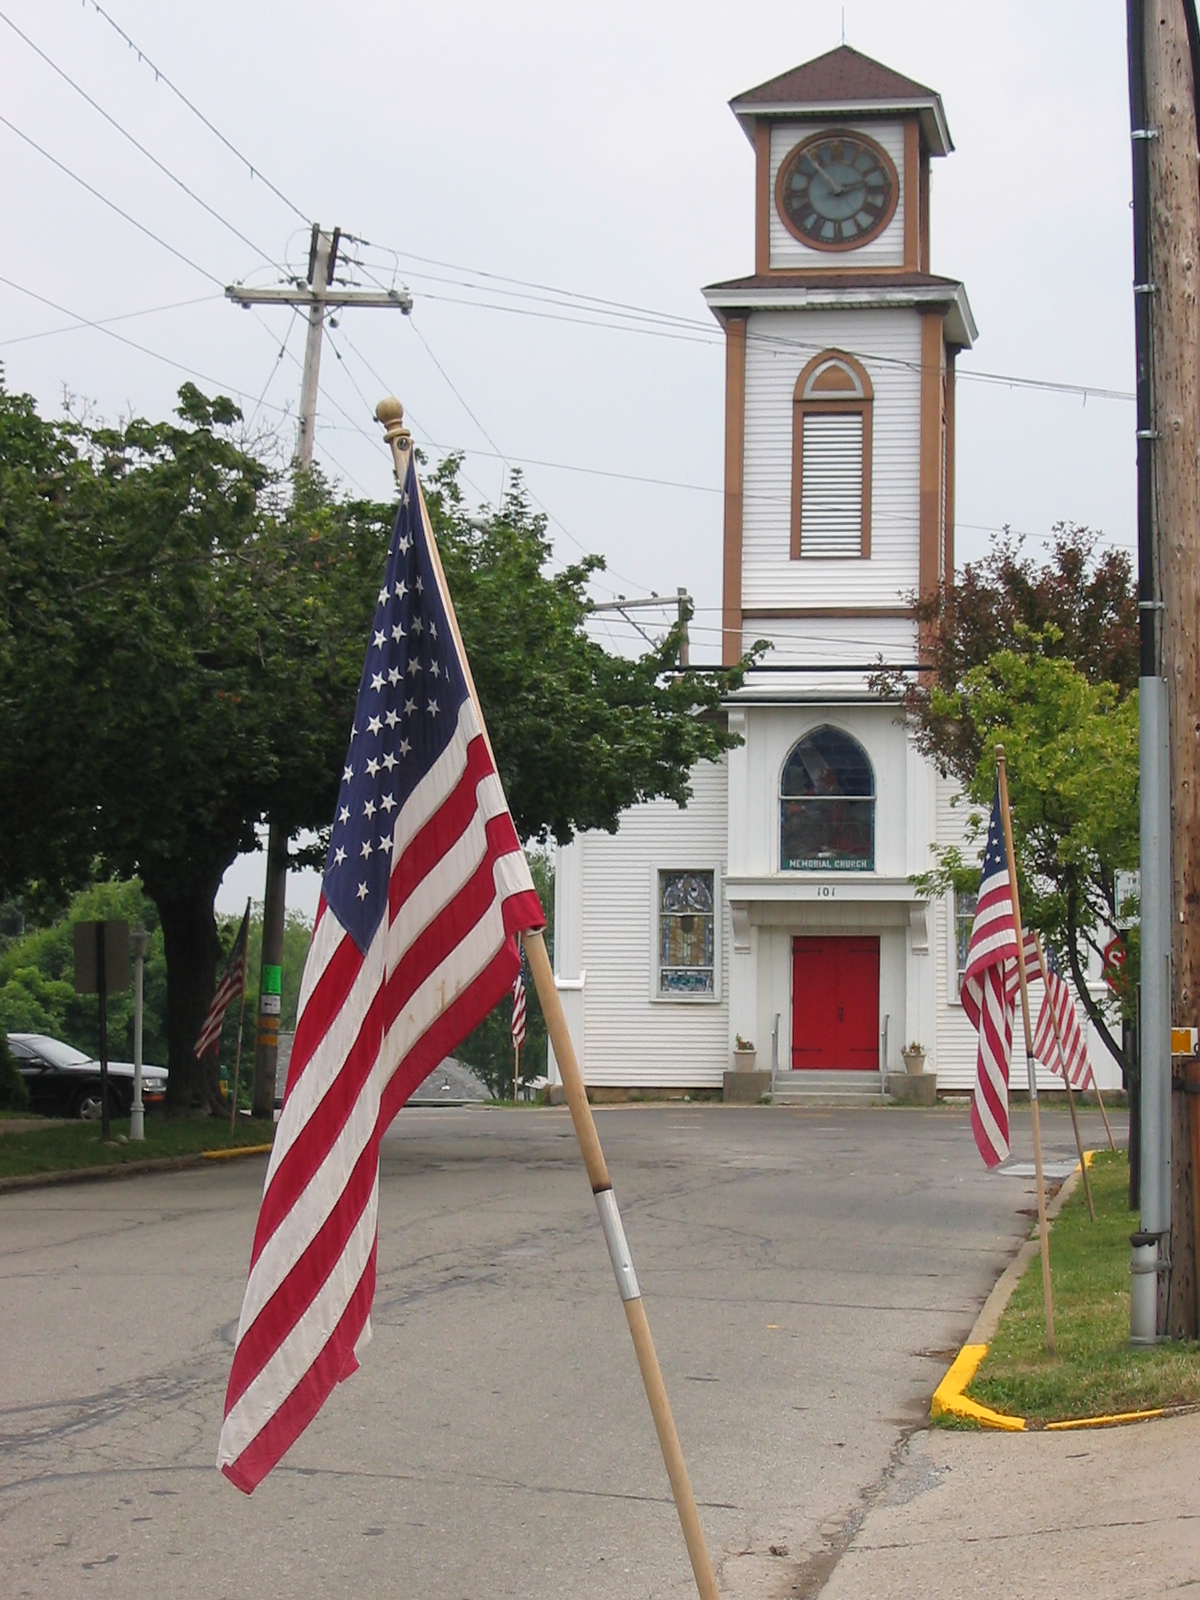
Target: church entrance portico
[{"x": 835, "y": 1004}]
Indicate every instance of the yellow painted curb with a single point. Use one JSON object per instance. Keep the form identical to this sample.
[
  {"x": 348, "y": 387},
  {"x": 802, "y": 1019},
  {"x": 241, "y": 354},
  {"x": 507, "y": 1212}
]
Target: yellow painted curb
[
  {"x": 1114, "y": 1421},
  {"x": 238, "y": 1150},
  {"x": 949, "y": 1399}
]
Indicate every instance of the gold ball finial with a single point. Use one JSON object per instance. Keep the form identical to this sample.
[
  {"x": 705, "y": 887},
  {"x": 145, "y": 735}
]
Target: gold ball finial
[{"x": 390, "y": 412}]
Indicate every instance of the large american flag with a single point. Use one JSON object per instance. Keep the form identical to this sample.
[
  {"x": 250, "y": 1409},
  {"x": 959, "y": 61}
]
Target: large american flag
[
  {"x": 233, "y": 981},
  {"x": 987, "y": 997},
  {"x": 425, "y": 889},
  {"x": 1057, "y": 1002}
]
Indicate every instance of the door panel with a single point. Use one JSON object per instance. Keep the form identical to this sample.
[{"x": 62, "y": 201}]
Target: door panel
[{"x": 835, "y": 1004}]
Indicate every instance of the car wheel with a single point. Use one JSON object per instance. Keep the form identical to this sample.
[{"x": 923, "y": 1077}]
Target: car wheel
[{"x": 89, "y": 1106}]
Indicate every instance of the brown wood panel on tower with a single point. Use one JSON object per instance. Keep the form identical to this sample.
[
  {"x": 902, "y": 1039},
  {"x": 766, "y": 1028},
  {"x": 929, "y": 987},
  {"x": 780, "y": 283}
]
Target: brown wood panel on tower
[
  {"x": 735, "y": 455},
  {"x": 762, "y": 191},
  {"x": 923, "y": 197},
  {"x": 912, "y": 193},
  {"x": 948, "y": 558},
  {"x": 933, "y": 357}
]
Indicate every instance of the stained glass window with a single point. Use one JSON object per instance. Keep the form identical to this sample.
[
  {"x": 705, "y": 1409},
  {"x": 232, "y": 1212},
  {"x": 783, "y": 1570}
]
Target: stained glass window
[
  {"x": 685, "y": 933},
  {"x": 827, "y": 805}
]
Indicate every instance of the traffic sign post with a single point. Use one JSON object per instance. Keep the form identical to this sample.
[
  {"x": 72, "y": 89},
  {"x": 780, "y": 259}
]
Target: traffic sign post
[{"x": 101, "y": 965}]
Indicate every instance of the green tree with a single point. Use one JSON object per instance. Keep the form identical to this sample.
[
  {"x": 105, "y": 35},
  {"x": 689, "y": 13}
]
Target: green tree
[
  {"x": 37, "y": 989},
  {"x": 180, "y": 647},
  {"x": 1071, "y": 748}
]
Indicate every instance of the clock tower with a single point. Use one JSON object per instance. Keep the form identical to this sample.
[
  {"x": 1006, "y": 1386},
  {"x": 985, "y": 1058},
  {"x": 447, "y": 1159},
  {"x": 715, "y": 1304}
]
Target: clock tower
[
  {"x": 777, "y": 910},
  {"x": 840, "y": 349}
]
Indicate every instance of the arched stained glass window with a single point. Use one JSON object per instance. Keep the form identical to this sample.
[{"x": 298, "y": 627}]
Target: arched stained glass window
[{"x": 827, "y": 805}]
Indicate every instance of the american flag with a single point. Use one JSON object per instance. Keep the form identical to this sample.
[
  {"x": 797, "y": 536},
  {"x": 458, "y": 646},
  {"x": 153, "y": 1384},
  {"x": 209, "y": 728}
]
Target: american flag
[
  {"x": 987, "y": 997},
  {"x": 425, "y": 888},
  {"x": 1057, "y": 1002},
  {"x": 232, "y": 982},
  {"x": 518, "y": 1016}
]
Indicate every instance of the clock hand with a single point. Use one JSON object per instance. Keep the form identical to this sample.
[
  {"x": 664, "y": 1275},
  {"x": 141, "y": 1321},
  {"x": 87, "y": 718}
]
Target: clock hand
[{"x": 838, "y": 188}]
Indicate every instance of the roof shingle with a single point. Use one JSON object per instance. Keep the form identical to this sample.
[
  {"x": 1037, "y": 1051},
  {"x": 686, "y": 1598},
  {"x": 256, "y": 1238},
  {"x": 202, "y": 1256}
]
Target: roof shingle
[{"x": 840, "y": 75}]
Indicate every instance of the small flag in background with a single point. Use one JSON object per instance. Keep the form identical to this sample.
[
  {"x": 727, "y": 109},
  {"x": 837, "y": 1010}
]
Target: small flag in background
[
  {"x": 425, "y": 888},
  {"x": 986, "y": 996},
  {"x": 232, "y": 982},
  {"x": 518, "y": 1016},
  {"x": 1057, "y": 1002}
]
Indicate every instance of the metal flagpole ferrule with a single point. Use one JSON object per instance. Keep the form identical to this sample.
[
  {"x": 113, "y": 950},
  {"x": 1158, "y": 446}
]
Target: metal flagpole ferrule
[{"x": 618, "y": 1245}]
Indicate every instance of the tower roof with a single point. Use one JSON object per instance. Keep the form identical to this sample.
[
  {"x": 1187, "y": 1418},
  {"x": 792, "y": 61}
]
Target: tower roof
[{"x": 846, "y": 82}]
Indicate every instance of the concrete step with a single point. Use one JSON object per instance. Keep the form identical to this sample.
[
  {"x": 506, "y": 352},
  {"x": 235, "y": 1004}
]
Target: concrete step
[{"x": 828, "y": 1088}]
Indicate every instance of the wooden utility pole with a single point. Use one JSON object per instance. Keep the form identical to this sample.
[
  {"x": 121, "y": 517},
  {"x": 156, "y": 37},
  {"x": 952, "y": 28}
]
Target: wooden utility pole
[
  {"x": 319, "y": 294},
  {"x": 1174, "y": 211}
]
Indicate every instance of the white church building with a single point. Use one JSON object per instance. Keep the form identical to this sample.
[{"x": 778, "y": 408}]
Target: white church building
[{"x": 777, "y": 907}]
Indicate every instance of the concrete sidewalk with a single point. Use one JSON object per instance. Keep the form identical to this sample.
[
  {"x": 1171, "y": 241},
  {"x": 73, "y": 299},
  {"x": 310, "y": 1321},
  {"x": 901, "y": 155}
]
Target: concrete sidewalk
[{"x": 1102, "y": 1514}]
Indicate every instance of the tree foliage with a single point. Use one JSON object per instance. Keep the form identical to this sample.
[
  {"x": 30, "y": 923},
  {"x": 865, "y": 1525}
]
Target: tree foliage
[
  {"x": 1044, "y": 660},
  {"x": 181, "y": 639}
]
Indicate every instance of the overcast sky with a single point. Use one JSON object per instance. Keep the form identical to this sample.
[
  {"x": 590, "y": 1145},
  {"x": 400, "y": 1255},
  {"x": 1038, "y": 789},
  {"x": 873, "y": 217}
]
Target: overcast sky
[{"x": 576, "y": 151}]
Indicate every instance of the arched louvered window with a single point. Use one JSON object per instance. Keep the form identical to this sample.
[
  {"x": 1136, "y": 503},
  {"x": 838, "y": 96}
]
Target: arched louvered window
[
  {"x": 827, "y": 805},
  {"x": 831, "y": 459}
]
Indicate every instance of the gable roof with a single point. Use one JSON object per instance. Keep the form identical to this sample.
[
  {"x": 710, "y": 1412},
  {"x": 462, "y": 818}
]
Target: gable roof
[{"x": 846, "y": 81}]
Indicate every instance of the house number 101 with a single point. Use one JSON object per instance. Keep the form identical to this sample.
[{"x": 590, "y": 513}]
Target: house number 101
[{"x": 825, "y": 891}]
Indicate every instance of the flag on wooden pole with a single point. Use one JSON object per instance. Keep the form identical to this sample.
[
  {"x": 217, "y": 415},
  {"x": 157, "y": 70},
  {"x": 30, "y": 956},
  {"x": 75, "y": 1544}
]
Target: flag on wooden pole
[
  {"x": 1057, "y": 1004},
  {"x": 233, "y": 983},
  {"x": 518, "y": 1012},
  {"x": 986, "y": 995},
  {"x": 425, "y": 888}
]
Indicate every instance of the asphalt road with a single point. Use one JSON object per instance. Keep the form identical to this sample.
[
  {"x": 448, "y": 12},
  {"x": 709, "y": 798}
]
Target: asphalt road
[{"x": 806, "y": 1274}]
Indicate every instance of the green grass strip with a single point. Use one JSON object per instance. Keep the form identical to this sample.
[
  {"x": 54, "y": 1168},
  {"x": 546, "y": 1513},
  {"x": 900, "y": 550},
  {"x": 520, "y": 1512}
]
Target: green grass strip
[
  {"x": 79, "y": 1144},
  {"x": 1094, "y": 1372}
]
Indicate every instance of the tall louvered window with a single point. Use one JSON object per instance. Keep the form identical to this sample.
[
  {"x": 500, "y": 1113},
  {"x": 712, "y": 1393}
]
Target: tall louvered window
[{"x": 831, "y": 460}]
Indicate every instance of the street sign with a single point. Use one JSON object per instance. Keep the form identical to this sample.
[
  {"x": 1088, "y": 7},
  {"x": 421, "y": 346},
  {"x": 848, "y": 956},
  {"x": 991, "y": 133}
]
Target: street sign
[
  {"x": 116, "y": 956},
  {"x": 1127, "y": 888},
  {"x": 1114, "y": 960},
  {"x": 102, "y": 968},
  {"x": 1183, "y": 1041}
]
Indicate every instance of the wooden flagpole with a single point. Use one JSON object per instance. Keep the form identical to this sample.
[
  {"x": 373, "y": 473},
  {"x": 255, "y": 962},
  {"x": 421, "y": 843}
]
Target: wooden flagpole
[
  {"x": 1043, "y": 1225},
  {"x": 1062, "y": 1061},
  {"x": 1108, "y": 1130},
  {"x": 237, "y": 1058},
  {"x": 391, "y": 414}
]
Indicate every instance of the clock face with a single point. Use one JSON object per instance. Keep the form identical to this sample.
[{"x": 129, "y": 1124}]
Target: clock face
[{"x": 836, "y": 191}]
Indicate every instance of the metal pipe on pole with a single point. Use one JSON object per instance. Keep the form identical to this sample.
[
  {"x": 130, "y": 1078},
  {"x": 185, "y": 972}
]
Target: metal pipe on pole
[{"x": 1154, "y": 1053}]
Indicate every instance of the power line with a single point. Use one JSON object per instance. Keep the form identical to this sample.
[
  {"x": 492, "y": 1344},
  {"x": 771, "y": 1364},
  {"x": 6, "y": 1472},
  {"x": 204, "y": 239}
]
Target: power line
[
  {"x": 121, "y": 338},
  {"x": 161, "y": 77},
  {"x": 101, "y": 322},
  {"x": 138, "y": 145},
  {"x": 665, "y": 324},
  {"x": 111, "y": 204}
]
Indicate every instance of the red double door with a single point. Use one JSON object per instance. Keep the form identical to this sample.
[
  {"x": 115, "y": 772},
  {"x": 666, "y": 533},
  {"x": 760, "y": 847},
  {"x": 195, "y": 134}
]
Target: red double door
[{"x": 835, "y": 1005}]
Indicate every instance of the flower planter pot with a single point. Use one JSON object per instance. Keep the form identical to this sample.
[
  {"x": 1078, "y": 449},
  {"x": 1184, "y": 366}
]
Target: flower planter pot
[
  {"x": 914, "y": 1061},
  {"x": 743, "y": 1060}
]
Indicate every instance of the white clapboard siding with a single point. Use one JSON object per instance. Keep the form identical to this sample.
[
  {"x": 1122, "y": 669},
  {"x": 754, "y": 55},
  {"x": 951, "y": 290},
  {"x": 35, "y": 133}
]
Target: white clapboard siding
[
  {"x": 830, "y": 643},
  {"x": 779, "y": 345},
  {"x": 831, "y": 486},
  {"x": 632, "y": 1040},
  {"x": 885, "y": 251}
]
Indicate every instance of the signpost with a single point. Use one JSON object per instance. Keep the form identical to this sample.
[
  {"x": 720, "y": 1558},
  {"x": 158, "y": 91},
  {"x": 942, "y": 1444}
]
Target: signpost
[{"x": 101, "y": 966}]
